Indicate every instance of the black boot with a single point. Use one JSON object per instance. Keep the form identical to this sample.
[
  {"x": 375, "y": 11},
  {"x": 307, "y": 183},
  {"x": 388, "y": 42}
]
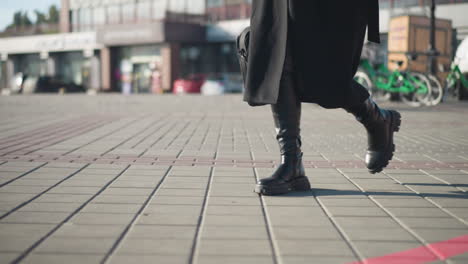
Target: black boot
[
  {"x": 290, "y": 174},
  {"x": 380, "y": 125}
]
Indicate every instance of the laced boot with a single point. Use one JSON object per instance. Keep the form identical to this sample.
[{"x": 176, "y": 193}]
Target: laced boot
[{"x": 380, "y": 125}]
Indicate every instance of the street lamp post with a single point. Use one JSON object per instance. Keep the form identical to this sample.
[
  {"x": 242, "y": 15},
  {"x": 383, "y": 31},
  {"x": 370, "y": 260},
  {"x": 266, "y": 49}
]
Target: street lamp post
[{"x": 432, "y": 52}]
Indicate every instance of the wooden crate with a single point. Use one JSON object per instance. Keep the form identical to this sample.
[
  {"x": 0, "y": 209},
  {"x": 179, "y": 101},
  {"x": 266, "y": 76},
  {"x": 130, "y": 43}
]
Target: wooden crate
[{"x": 412, "y": 34}]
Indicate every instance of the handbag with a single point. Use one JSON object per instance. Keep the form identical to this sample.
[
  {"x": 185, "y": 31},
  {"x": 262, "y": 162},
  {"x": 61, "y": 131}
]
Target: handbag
[{"x": 242, "y": 45}]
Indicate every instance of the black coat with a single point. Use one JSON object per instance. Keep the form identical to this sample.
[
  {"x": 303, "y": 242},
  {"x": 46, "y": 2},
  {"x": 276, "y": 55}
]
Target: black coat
[{"x": 326, "y": 38}]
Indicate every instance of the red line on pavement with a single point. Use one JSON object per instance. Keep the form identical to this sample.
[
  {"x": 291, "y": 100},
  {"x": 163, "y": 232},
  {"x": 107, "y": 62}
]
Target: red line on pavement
[{"x": 424, "y": 254}]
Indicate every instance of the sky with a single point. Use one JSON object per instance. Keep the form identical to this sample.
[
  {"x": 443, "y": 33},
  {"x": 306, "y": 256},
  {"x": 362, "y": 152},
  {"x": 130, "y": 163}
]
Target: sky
[{"x": 9, "y": 7}]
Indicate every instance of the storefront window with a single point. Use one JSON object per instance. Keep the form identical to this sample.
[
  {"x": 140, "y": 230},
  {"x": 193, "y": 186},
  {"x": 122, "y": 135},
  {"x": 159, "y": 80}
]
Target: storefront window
[
  {"x": 128, "y": 12},
  {"x": 144, "y": 10},
  {"x": 137, "y": 69},
  {"x": 213, "y": 58},
  {"x": 69, "y": 67},
  {"x": 28, "y": 64},
  {"x": 113, "y": 14},
  {"x": 159, "y": 9}
]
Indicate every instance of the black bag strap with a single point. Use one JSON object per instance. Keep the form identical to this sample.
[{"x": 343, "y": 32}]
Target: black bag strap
[{"x": 243, "y": 43}]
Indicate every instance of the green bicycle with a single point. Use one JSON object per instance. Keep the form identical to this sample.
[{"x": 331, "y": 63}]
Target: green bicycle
[
  {"x": 413, "y": 88},
  {"x": 456, "y": 84}
]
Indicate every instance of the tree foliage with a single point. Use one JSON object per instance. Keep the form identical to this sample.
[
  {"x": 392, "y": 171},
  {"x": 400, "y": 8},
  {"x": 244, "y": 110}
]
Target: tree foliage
[{"x": 21, "y": 18}]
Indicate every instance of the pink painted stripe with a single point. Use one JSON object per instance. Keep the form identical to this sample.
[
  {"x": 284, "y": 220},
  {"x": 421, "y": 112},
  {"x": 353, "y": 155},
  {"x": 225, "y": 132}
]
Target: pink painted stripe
[{"x": 424, "y": 254}]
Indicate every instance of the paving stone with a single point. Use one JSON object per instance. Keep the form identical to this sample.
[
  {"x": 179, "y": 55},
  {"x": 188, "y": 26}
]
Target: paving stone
[
  {"x": 354, "y": 222},
  {"x": 15, "y": 197},
  {"x": 72, "y": 231},
  {"x": 207, "y": 259},
  {"x": 460, "y": 212},
  {"x": 220, "y": 200},
  {"x": 66, "y": 258},
  {"x": 418, "y": 203},
  {"x": 435, "y": 234},
  {"x": 234, "y": 210},
  {"x": 76, "y": 245},
  {"x": 356, "y": 211},
  {"x": 127, "y": 191},
  {"x": 306, "y": 233},
  {"x": 28, "y": 230},
  {"x": 168, "y": 219},
  {"x": 235, "y": 247},
  {"x": 181, "y": 192},
  {"x": 111, "y": 208},
  {"x": 181, "y": 200},
  {"x": 234, "y": 232},
  {"x": 319, "y": 248},
  {"x": 418, "y": 212},
  {"x": 35, "y": 217},
  {"x": 235, "y": 220},
  {"x": 140, "y": 246},
  {"x": 50, "y": 207},
  {"x": 8, "y": 257},
  {"x": 62, "y": 198},
  {"x": 22, "y": 189},
  {"x": 101, "y": 219},
  {"x": 379, "y": 234},
  {"x": 83, "y": 183},
  {"x": 299, "y": 221},
  {"x": 286, "y": 200},
  {"x": 380, "y": 248},
  {"x": 348, "y": 202},
  {"x": 163, "y": 232},
  {"x": 173, "y": 209},
  {"x": 427, "y": 222},
  {"x": 119, "y": 199},
  {"x": 16, "y": 244},
  {"x": 148, "y": 259},
  {"x": 4, "y": 207},
  {"x": 74, "y": 190},
  {"x": 317, "y": 259},
  {"x": 233, "y": 179},
  {"x": 34, "y": 182}
]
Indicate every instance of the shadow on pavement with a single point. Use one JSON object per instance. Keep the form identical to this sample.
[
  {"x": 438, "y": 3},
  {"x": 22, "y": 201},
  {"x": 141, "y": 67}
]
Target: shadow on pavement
[{"x": 332, "y": 192}]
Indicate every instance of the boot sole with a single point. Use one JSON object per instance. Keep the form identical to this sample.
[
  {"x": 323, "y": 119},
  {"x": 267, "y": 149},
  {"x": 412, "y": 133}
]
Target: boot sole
[
  {"x": 298, "y": 184},
  {"x": 394, "y": 127}
]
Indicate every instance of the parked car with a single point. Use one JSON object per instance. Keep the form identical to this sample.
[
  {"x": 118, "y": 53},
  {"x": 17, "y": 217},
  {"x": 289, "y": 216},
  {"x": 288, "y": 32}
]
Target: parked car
[
  {"x": 222, "y": 83},
  {"x": 190, "y": 84},
  {"x": 49, "y": 84}
]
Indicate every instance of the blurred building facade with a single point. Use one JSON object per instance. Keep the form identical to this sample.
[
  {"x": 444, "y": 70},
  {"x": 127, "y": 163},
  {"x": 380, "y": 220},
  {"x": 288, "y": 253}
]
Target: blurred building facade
[
  {"x": 142, "y": 46},
  {"x": 130, "y": 46}
]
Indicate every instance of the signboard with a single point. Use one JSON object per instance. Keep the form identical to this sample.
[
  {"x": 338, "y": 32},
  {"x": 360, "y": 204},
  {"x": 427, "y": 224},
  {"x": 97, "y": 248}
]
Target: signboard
[{"x": 49, "y": 43}]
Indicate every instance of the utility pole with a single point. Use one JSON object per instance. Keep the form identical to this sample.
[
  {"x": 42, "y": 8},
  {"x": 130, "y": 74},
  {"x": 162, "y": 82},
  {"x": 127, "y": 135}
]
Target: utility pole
[{"x": 432, "y": 52}]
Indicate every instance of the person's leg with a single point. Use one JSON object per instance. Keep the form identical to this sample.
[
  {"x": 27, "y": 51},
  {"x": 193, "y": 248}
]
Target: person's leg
[
  {"x": 290, "y": 174},
  {"x": 380, "y": 125}
]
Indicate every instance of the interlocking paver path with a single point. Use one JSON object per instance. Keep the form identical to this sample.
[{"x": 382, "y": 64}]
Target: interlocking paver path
[{"x": 167, "y": 179}]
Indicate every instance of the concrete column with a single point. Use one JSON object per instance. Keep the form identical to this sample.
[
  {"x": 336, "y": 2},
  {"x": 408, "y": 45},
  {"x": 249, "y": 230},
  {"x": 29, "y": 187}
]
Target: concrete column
[
  {"x": 170, "y": 65},
  {"x": 7, "y": 75},
  {"x": 105, "y": 69},
  {"x": 95, "y": 78},
  {"x": 64, "y": 22},
  {"x": 50, "y": 66}
]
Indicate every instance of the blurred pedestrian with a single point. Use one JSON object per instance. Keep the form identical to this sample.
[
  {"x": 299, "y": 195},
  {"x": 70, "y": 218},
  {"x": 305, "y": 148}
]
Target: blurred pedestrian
[{"x": 308, "y": 51}]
